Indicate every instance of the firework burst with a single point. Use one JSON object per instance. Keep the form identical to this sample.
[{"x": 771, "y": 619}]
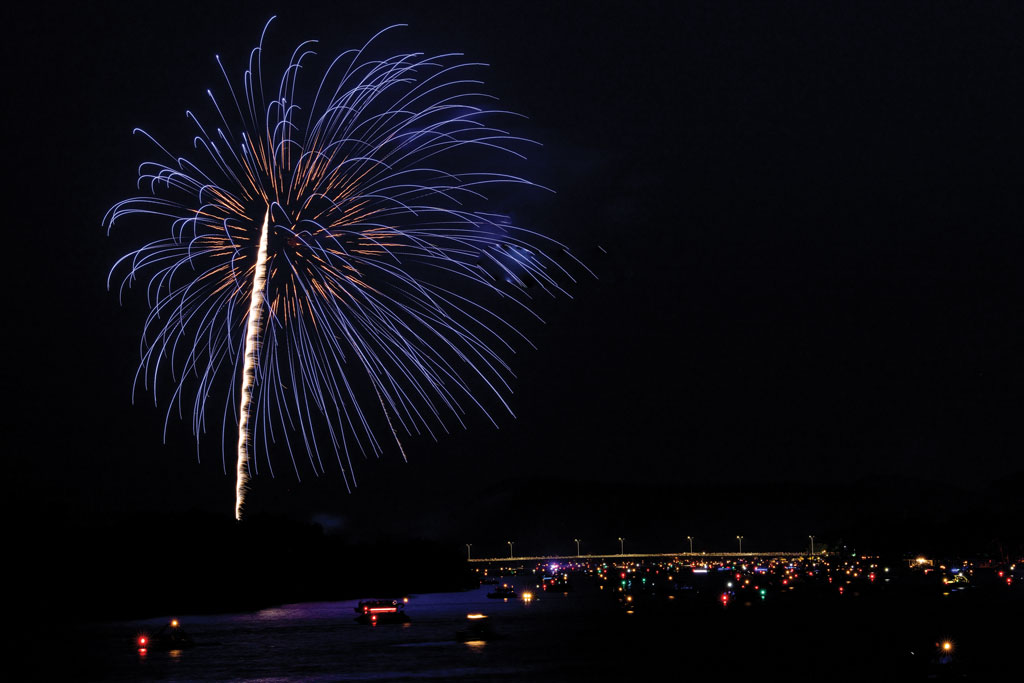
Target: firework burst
[{"x": 321, "y": 247}]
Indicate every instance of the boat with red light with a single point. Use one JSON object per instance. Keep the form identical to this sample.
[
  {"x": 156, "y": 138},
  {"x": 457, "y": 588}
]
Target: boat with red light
[
  {"x": 171, "y": 636},
  {"x": 382, "y": 612}
]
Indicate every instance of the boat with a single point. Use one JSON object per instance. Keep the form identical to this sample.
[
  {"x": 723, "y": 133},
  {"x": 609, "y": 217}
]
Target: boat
[
  {"x": 171, "y": 636},
  {"x": 502, "y": 591},
  {"x": 382, "y": 612},
  {"x": 557, "y": 584},
  {"x": 478, "y": 627}
]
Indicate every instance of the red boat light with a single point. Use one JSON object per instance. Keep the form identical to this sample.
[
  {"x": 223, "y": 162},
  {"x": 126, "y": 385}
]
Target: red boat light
[{"x": 142, "y": 641}]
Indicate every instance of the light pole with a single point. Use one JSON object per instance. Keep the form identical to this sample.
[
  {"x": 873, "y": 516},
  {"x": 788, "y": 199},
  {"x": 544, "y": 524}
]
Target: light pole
[
  {"x": 690, "y": 539},
  {"x": 577, "y": 546},
  {"x": 469, "y": 551},
  {"x": 812, "y": 544},
  {"x": 621, "y": 551},
  {"x": 510, "y": 549},
  {"x": 740, "y": 539}
]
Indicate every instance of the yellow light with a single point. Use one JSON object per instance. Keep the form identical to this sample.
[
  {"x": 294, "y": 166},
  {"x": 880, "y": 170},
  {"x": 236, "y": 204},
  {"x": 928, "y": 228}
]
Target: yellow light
[
  {"x": 174, "y": 623},
  {"x": 947, "y": 646},
  {"x": 476, "y": 616}
]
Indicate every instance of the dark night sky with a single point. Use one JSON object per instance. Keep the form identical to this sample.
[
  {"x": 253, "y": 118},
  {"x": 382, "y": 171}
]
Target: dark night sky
[{"x": 812, "y": 214}]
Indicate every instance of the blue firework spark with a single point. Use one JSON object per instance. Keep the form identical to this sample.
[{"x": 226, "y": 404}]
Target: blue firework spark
[{"x": 323, "y": 247}]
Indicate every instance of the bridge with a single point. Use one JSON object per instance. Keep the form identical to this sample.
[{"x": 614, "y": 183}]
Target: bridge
[{"x": 642, "y": 556}]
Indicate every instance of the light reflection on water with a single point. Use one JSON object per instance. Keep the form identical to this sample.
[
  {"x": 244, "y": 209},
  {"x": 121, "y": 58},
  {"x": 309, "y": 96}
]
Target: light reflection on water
[{"x": 322, "y": 642}]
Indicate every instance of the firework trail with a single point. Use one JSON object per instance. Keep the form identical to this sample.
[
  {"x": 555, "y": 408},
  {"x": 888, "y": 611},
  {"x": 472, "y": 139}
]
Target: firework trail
[
  {"x": 324, "y": 246},
  {"x": 252, "y": 332}
]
